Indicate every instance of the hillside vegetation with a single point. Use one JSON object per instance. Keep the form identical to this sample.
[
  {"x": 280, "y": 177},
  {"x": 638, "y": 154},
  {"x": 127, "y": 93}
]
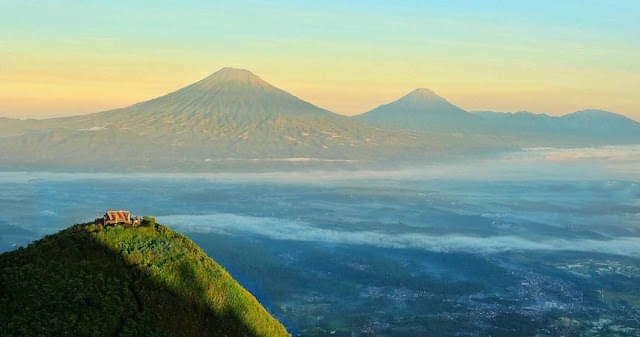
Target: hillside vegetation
[{"x": 124, "y": 281}]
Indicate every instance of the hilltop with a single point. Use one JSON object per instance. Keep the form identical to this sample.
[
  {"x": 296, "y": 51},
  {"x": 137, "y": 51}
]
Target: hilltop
[{"x": 124, "y": 281}]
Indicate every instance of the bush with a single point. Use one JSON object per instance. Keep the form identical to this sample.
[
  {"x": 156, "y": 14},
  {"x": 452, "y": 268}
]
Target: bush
[
  {"x": 92, "y": 228},
  {"x": 148, "y": 221}
]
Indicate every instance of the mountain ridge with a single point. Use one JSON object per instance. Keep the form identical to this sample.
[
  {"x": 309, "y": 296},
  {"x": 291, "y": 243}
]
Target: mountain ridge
[{"x": 593, "y": 112}]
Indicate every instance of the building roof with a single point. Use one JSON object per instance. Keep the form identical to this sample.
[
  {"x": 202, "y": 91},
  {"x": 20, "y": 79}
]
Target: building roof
[{"x": 118, "y": 215}]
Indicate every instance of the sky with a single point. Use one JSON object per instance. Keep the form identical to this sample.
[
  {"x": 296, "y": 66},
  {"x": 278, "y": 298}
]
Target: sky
[{"x": 61, "y": 58}]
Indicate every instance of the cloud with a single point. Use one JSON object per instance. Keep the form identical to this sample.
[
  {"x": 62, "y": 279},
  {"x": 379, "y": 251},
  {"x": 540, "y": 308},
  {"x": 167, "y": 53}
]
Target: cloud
[
  {"x": 282, "y": 229},
  {"x": 93, "y": 129},
  {"x": 619, "y": 152}
]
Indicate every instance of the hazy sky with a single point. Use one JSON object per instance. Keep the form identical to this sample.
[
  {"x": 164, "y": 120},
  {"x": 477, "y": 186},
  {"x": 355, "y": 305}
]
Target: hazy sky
[{"x": 68, "y": 57}]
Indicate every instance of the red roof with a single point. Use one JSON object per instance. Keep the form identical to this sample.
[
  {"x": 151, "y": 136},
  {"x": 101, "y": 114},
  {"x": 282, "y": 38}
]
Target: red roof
[{"x": 118, "y": 215}]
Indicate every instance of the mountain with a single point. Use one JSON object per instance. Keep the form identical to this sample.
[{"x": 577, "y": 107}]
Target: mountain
[
  {"x": 234, "y": 120},
  {"x": 228, "y": 116},
  {"x": 422, "y": 110},
  {"x": 14, "y": 127},
  {"x": 521, "y": 122},
  {"x": 601, "y": 121},
  {"x": 117, "y": 281},
  {"x": 582, "y": 128},
  {"x": 234, "y": 94}
]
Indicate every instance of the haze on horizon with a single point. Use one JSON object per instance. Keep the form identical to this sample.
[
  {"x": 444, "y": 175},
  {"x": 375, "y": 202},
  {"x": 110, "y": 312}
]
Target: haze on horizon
[{"x": 67, "y": 58}]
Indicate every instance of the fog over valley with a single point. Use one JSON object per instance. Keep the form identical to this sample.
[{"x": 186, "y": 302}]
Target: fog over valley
[{"x": 525, "y": 222}]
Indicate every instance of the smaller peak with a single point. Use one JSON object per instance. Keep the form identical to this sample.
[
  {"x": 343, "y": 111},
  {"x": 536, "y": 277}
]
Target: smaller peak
[{"x": 597, "y": 114}]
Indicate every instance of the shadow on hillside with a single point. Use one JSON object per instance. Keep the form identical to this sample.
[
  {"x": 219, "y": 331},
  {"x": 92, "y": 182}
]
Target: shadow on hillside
[
  {"x": 72, "y": 284},
  {"x": 170, "y": 310}
]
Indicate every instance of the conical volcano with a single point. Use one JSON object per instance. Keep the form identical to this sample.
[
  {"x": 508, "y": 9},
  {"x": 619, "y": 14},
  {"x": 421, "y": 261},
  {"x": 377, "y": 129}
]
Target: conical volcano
[
  {"x": 421, "y": 109},
  {"x": 226, "y": 92}
]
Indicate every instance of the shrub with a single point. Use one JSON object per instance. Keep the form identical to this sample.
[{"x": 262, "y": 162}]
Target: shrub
[{"x": 148, "y": 221}]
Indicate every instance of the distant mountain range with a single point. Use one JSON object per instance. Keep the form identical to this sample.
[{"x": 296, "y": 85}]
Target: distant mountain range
[
  {"x": 422, "y": 110},
  {"x": 594, "y": 126},
  {"x": 233, "y": 117}
]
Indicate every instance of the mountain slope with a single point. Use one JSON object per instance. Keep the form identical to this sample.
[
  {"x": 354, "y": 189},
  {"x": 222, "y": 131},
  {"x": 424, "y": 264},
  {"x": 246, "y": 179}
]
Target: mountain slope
[
  {"x": 226, "y": 96},
  {"x": 230, "y": 115},
  {"x": 422, "y": 110},
  {"x": 603, "y": 121},
  {"x": 145, "y": 281},
  {"x": 14, "y": 127}
]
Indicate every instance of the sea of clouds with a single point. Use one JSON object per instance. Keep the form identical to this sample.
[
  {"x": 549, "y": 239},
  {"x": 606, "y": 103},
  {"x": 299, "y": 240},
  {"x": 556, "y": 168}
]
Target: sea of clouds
[
  {"x": 604, "y": 163},
  {"x": 284, "y": 229},
  {"x": 594, "y": 163}
]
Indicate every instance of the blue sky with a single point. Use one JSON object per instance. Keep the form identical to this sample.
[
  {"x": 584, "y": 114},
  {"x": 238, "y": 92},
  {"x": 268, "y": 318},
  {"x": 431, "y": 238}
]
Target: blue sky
[{"x": 66, "y": 57}]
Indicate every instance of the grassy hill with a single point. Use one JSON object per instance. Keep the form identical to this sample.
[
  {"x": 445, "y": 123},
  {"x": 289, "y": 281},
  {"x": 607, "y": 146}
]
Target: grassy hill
[{"x": 117, "y": 281}]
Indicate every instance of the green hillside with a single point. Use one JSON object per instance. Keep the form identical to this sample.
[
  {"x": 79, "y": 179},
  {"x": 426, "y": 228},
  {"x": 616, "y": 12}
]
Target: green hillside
[{"x": 144, "y": 281}]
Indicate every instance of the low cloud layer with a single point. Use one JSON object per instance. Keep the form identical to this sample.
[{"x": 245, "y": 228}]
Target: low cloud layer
[
  {"x": 600, "y": 163},
  {"x": 617, "y": 152},
  {"x": 281, "y": 229}
]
